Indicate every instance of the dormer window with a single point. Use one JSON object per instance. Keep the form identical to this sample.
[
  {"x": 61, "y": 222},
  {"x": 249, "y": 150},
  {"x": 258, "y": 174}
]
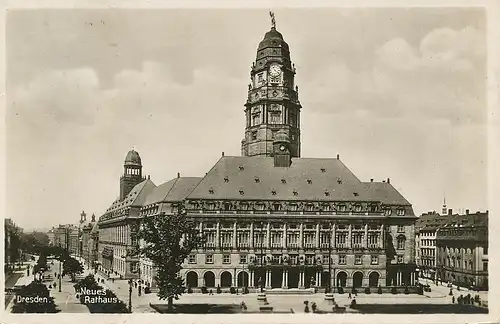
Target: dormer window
[
  {"x": 295, "y": 193},
  {"x": 327, "y": 193},
  {"x": 339, "y": 181},
  {"x": 260, "y": 206},
  {"x": 211, "y": 191},
  {"x": 342, "y": 208},
  {"x": 357, "y": 208},
  {"x": 242, "y": 192},
  {"x": 243, "y": 206},
  {"x": 326, "y": 207},
  {"x": 401, "y": 212},
  {"x": 241, "y": 168},
  {"x": 226, "y": 179},
  {"x": 323, "y": 170},
  {"x": 309, "y": 181},
  {"x": 277, "y": 207},
  {"x": 273, "y": 193},
  {"x": 283, "y": 181},
  {"x": 355, "y": 194},
  {"x": 257, "y": 180},
  {"x": 309, "y": 207},
  {"x": 292, "y": 207}
]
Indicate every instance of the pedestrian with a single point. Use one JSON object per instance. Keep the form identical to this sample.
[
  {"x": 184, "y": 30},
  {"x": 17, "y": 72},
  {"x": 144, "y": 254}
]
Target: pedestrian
[
  {"x": 55, "y": 284},
  {"x": 113, "y": 280},
  {"x": 453, "y": 299},
  {"x": 211, "y": 292},
  {"x": 306, "y": 308},
  {"x": 349, "y": 297},
  {"x": 314, "y": 307}
]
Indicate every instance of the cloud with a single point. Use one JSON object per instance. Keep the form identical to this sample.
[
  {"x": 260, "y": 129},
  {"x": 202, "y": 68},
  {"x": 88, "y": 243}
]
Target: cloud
[{"x": 442, "y": 78}]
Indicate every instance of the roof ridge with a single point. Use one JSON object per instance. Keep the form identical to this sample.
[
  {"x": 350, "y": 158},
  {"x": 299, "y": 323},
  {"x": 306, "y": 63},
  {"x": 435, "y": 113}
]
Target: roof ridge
[{"x": 171, "y": 188}]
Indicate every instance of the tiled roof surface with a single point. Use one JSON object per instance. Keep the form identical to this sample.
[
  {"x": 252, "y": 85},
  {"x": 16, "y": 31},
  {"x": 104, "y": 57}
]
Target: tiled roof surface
[
  {"x": 174, "y": 190},
  {"x": 434, "y": 221},
  {"x": 307, "y": 179},
  {"x": 386, "y": 193},
  {"x": 136, "y": 197}
]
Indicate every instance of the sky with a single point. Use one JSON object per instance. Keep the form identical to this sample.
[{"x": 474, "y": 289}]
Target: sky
[{"x": 398, "y": 93}]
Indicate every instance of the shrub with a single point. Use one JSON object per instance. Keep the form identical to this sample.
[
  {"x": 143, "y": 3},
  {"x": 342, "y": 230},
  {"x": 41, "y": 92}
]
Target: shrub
[
  {"x": 232, "y": 290},
  {"x": 35, "y": 289},
  {"x": 394, "y": 290},
  {"x": 379, "y": 290},
  {"x": 189, "y": 291},
  {"x": 147, "y": 290},
  {"x": 353, "y": 290},
  {"x": 367, "y": 290},
  {"x": 219, "y": 290},
  {"x": 204, "y": 290},
  {"x": 340, "y": 290}
]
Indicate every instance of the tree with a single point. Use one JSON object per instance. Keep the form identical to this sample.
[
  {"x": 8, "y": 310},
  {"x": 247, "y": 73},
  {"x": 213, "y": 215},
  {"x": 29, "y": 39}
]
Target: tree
[
  {"x": 167, "y": 242},
  {"x": 34, "y": 298},
  {"x": 35, "y": 242},
  {"x": 72, "y": 267}
]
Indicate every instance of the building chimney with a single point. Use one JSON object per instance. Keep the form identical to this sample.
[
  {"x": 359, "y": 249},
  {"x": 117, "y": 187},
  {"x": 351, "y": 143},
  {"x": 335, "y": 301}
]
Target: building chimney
[
  {"x": 383, "y": 181},
  {"x": 450, "y": 211},
  {"x": 388, "y": 180},
  {"x": 222, "y": 154},
  {"x": 178, "y": 174},
  {"x": 466, "y": 212},
  {"x": 338, "y": 156},
  {"x": 148, "y": 177},
  {"x": 371, "y": 180}
]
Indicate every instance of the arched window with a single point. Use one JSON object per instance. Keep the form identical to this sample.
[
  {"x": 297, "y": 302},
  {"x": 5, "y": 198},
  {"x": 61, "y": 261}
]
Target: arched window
[{"x": 401, "y": 242}]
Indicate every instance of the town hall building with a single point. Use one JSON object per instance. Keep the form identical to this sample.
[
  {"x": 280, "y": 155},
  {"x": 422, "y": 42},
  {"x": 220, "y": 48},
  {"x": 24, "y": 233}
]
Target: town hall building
[{"x": 271, "y": 218}]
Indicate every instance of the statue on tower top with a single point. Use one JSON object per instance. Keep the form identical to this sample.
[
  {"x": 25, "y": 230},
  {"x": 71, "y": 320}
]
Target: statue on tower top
[{"x": 273, "y": 20}]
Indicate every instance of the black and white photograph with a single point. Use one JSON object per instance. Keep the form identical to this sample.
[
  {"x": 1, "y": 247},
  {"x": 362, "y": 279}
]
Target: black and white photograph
[{"x": 317, "y": 161}]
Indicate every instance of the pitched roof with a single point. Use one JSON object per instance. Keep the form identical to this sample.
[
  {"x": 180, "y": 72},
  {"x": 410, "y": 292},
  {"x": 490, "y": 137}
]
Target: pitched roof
[
  {"x": 385, "y": 193},
  {"x": 136, "y": 197},
  {"x": 307, "y": 179},
  {"x": 174, "y": 190}
]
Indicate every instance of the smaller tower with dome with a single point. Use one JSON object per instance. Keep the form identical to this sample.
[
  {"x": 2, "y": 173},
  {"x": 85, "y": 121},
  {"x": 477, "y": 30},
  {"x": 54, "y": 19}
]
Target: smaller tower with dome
[{"x": 132, "y": 173}]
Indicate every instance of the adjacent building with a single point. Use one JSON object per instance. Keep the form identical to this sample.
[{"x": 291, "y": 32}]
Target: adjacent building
[{"x": 271, "y": 217}]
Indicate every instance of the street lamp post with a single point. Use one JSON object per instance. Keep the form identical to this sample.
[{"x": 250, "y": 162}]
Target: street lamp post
[
  {"x": 262, "y": 258},
  {"x": 60, "y": 276}
]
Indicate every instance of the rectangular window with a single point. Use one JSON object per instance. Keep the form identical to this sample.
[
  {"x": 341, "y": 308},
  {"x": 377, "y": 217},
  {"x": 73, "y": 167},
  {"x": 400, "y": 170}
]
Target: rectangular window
[
  {"x": 210, "y": 240},
  {"x": 260, "y": 239},
  {"x": 293, "y": 259},
  {"x": 374, "y": 259},
  {"x": 309, "y": 240},
  {"x": 310, "y": 259},
  {"x": 260, "y": 77},
  {"x": 342, "y": 259},
  {"x": 254, "y": 134},
  {"x": 226, "y": 239},
  {"x": 277, "y": 239},
  {"x": 192, "y": 258},
  {"x": 373, "y": 240},
  {"x": 209, "y": 258},
  {"x": 325, "y": 259},
  {"x": 401, "y": 229},
  {"x": 243, "y": 259},
  {"x": 400, "y": 259},
  {"x": 358, "y": 259},
  {"x": 485, "y": 266},
  {"x": 341, "y": 240},
  {"x": 293, "y": 239},
  {"x": 401, "y": 244},
  {"x": 357, "y": 240},
  {"x": 275, "y": 117},
  {"x": 324, "y": 240},
  {"x": 226, "y": 259},
  {"x": 244, "y": 239},
  {"x": 401, "y": 212}
]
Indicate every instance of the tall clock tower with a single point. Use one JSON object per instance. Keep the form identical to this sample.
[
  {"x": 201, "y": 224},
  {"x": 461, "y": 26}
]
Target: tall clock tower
[{"x": 273, "y": 100}]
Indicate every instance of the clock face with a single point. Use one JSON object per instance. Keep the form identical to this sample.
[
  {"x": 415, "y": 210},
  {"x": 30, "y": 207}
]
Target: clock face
[
  {"x": 275, "y": 70},
  {"x": 282, "y": 147}
]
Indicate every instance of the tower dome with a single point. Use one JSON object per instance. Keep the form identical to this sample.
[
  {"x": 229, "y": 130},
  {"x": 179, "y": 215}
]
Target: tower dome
[
  {"x": 281, "y": 137},
  {"x": 133, "y": 158}
]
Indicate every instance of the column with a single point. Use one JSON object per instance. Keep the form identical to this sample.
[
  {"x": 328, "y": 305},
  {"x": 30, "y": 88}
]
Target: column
[
  {"x": 217, "y": 236},
  {"x": 268, "y": 236},
  {"x": 301, "y": 280},
  {"x": 317, "y": 236},
  {"x": 318, "y": 283},
  {"x": 332, "y": 238},
  {"x": 349, "y": 237},
  {"x": 235, "y": 233},
  {"x": 286, "y": 278},
  {"x": 301, "y": 236},
  {"x": 284, "y": 236},
  {"x": 252, "y": 244},
  {"x": 268, "y": 280},
  {"x": 382, "y": 237},
  {"x": 283, "y": 280},
  {"x": 251, "y": 279},
  {"x": 201, "y": 227},
  {"x": 365, "y": 240}
]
